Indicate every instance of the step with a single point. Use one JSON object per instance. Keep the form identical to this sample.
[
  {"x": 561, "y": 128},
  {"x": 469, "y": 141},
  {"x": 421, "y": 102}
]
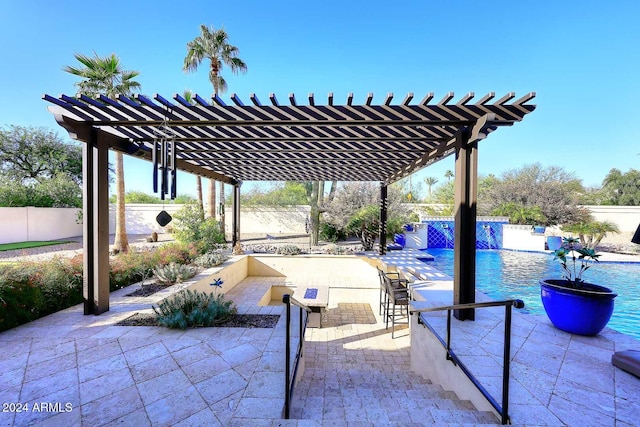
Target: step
[{"x": 370, "y": 395}]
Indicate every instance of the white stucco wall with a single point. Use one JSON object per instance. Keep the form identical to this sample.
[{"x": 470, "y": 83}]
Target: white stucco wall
[
  {"x": 33, "y": 224},
  {"x": 521, "y": 237},
  {"x": 626, "y": 218}
]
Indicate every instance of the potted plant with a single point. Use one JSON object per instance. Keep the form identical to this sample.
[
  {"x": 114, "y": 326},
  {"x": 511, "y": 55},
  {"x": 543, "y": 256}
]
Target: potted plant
[{"x": 572, "y": 304}]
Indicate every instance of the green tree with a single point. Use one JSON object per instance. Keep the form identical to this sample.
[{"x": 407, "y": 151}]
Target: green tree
[
  {"x": 30, "y": 154},
  {"x": 59, "y": 191},
  {"x": 621, "y": 189},
  {"x": 190, "y": 228},
  {"x": 355, "y": 210},
  {"x": 591, "y": 233},
  {"x": 444, "y": 193},
  {"x": 430, "y": 181},
  {"x": 280, "y": 194},
  {"x": 214, "y": 45},
  {"x": 104, "y": 75},
  {"x": 188, "y": 95},
  {"x": 551, "y": 188},
  {"x": 520, "y": 214},
  {"x": 449, "y": 174}
]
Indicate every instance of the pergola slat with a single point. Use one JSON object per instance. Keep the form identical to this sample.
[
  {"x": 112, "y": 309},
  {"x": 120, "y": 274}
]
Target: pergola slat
[{"x": 384, "y": 142}]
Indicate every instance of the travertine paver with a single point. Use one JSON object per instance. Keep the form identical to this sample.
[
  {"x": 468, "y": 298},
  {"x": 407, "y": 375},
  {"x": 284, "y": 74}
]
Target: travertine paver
[
  {"x": 363, "y": 375},
  {"x": 114, "y": 375}
]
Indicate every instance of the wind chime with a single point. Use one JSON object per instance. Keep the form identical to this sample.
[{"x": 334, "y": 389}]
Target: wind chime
[{"x": 164, "y": 164}]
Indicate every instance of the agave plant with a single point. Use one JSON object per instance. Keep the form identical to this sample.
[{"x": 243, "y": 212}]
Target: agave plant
[
  {"x": 192, "y": 308},
  {"x": 174, "y": 273}
]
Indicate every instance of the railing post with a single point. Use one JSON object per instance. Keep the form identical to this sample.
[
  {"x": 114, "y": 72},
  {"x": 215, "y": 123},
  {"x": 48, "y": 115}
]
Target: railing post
[
  {"x": 449, "y": 335},
  {"x": 300, "y": 341},
  {"x": 286, "y": 299},
  {"x": 506, "y": 364}
]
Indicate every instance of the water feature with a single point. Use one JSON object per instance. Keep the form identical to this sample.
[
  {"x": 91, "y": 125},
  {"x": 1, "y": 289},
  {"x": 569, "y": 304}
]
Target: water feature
[
  {"x": 513, "y": 274},
  {"x": 441, "y": 231}
]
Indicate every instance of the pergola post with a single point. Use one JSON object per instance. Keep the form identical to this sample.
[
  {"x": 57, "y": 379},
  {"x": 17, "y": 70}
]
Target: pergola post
[
  {"x": 383, "y": 219},
  {"x": 95, "y": 174},
  {"x": 464, "y": 261},
  {"x": 235, "y": 224}
]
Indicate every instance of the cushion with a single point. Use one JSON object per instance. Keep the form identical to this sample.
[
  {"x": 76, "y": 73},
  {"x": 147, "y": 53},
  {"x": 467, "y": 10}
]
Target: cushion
[{"x": 628, "y": 360}]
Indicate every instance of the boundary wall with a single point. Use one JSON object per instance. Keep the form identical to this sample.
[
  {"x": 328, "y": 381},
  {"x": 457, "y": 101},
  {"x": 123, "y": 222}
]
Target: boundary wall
[{"x": 33, "y": 224}]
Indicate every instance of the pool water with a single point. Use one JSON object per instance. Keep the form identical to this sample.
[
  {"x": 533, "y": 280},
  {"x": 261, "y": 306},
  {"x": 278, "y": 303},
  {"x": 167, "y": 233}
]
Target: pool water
[{"x": 512, "y": 274}]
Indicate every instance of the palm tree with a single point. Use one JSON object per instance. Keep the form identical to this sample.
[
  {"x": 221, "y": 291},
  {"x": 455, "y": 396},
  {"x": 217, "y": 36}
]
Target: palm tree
[
  {"x": 430, "y": 181},
  {"x": 188, "y": 96},
  {"x": 104, "y": 75},
  {"x": 449, "y": 174},
  {"x": 213, "y": 45}
]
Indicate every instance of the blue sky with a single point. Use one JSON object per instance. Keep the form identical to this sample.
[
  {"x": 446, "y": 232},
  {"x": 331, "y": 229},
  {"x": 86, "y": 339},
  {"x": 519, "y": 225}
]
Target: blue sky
[{"x": 582, "y": 58}]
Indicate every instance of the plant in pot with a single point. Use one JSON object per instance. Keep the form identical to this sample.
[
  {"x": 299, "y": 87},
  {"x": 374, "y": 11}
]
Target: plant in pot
[{"x": 572, "y": 304}]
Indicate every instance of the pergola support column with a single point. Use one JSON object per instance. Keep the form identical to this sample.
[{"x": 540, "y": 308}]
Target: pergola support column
[
  {"x": 235, "y": 223},
  {"x": 95, "y": 174},
  {"x": 464, "y": 264},
  {"x": 383, "y": 219}
]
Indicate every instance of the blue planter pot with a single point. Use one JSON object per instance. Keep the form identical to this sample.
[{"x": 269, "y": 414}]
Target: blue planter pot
[
  {"x": 554, "y": 242},
  {"x": 584, "y": 311}
]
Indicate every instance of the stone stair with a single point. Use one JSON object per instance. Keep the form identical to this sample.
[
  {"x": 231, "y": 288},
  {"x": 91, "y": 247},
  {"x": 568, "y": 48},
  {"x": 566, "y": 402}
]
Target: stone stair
[{"x": 380, "y": 395}]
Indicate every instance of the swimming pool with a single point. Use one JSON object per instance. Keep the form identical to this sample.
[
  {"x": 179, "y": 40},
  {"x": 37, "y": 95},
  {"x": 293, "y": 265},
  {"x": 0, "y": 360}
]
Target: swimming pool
[{"x": 513, "y": 274}]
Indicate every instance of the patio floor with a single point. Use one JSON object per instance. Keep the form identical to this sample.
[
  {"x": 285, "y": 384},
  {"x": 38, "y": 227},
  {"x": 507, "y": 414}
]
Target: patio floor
[{"x": 84, "y": 370}]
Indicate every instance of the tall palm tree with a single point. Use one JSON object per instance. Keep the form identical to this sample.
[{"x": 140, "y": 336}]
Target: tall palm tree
[
  {"x": 449, "y": 174},
  {"x": 104, "y": 75},
  {"x": 214, "y": 45},
  {"x": 189, "y": 97},
  {"x": 430, "y": 181}
]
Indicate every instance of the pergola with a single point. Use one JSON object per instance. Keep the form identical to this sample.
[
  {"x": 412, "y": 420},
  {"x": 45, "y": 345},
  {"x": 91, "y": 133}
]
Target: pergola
[{"x": 239, "y": 142}]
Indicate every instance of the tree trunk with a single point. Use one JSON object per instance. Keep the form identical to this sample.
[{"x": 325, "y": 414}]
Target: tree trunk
[
  {"x": 315, "y": 213},
  {"x": 222, "y": 208},
  {"x": 332, "y": 191},
  {"x": 121, "y": 244},
  {"x": 199, "y": 193},
  {"x": 211, "y": 208}
]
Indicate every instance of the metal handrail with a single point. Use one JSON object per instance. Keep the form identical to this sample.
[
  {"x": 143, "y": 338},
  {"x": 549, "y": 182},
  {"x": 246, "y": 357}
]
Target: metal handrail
[
  {"x": 503, "y": 409},
  {"x": 288, "y": 386}
]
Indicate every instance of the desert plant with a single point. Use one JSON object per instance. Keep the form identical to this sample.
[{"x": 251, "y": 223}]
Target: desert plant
[
  {"x": 180, "y": 253},
  {"x": 130, "y": 267},
  {"x": 193, "y": 308},
  {"x": 211, "y": 259},
  {"x": 335, "y": 250},
  {"x": 578, "y": 260},
  {"x": 289, "y": 250},
  {"x": 174, "y": 273},
  {"x": 20, "y": 298},
  {"x": 520, "y": 214},
  {"x": 591, "y": 233},
  {"x": 210, "y": 236}
]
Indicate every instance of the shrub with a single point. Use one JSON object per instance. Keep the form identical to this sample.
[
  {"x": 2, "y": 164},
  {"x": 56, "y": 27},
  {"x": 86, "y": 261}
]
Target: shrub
[
  {"x": 210, "y": 236},
  {"x": 191, "y": 227},
  {"x": 330, "y": 232},
  {"x": 211, "y": 259},
  {"x": 288, "y": 250},
  {"x": 192, "y": 308},
  {"x": 335, "y": 250},
  {"x": 174, "y": 273},
  {"x": 20, "y": 298},
  {"x": 176, "y": 252},
  {"x": 130, "y": 267},
  {"x": 60, "y": 281},
  {"x": 187, "y": 222}
]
